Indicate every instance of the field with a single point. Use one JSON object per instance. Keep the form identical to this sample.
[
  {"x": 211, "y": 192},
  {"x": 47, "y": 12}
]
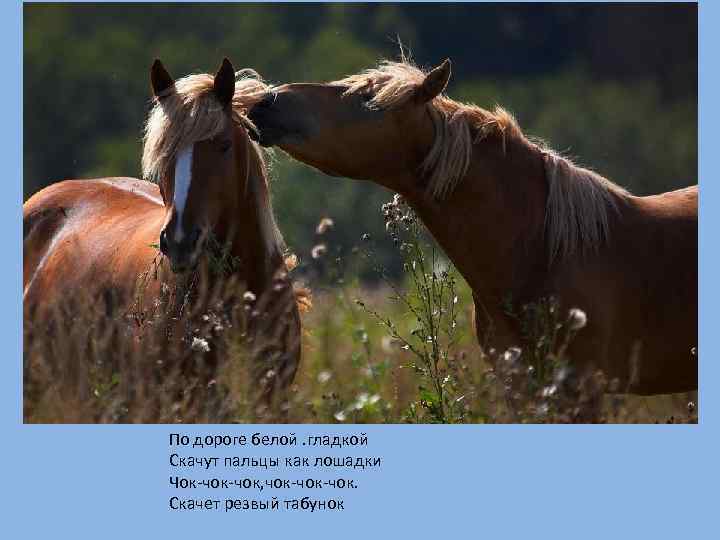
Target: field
[{"x": 395, "y": 353}]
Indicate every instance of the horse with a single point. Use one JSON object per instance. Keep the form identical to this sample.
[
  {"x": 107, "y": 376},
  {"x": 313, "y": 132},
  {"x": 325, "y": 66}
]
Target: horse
[
  {"x": 204, "y": 180},
  {"x": 520, "y": 222}
]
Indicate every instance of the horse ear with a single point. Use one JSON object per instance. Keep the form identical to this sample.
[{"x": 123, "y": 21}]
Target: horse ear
[
  {"x": 224, "y": 84},
  {"x": 160, "y": 79},
  {"x": 435, "y": 82}
]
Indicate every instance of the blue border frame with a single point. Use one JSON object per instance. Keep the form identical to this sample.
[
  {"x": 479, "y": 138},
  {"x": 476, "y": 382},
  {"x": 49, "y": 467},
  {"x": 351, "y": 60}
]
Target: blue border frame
[{"x": 496, "y": 481}]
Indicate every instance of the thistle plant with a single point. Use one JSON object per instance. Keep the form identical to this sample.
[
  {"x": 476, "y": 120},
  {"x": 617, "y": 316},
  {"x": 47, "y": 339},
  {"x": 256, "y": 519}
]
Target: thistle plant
[{"x": 431, "y": 305}]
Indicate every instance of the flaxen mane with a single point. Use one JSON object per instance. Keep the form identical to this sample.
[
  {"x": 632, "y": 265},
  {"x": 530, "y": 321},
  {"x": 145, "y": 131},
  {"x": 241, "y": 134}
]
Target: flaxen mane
[
  {"x": 190, "y": 112},
  {"x": 578, "y": 207},
  {"x": 457, "y": 126},
  {"x": 579, "y": 200}
]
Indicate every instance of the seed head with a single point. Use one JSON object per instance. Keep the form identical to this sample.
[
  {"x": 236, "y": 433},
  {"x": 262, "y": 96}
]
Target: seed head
[
  {"x": 318, "y": 251},
  {"x": 200, "y": 345},
  {"x": 325, "y": 224},
  {"x": 577, "y": 319}
]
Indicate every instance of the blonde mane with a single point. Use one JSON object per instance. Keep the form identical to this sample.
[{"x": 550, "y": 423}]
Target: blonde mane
[
  {"x": 190, "y": 112},
  {"x": 578, "y": 207},
  {"x": 579, "y": 200},
  {"x": 458, "y": 126}
]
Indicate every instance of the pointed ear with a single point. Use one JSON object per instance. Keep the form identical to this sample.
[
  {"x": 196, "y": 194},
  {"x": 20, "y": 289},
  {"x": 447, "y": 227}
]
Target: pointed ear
[
  {"x": 160, "y": 79},
  {"x": 224, "y": 85},
  {"x": 434, "y": 83}
]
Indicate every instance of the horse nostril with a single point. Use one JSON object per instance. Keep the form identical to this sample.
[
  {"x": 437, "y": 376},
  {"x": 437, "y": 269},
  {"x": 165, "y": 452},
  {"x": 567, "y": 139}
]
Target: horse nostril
[{"x": 163, "y": 242}]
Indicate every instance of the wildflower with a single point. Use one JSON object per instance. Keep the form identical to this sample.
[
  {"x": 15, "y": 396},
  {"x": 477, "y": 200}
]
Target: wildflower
[
  {"x": 249, "y": 297},
  {"x": 365, "y": 237},
  {"x": 691, "y": 407},
  {"x": 407, "y": 219},
  {"x": 340, "y": 416},
  {"x": 324, "y": 376},
  {"x": 577, "y": 319},
  {"x": 372, "y": 400},
  {"x": 362, "y": 399},
  {"x": 325, "y": 224},
  {"x": 200, "y": 345},
  {"x": 318, "y": 251},
  {"x": 511, "y": 355},
  {"x": 549, "y": 391}
]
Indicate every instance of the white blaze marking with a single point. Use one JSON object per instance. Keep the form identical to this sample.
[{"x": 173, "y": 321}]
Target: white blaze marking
[{"x": 183, "y": 177}]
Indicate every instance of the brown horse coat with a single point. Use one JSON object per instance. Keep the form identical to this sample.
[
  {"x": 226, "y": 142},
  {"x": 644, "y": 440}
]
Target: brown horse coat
[
  {"x": 518, "y": 221},
  {"x": 101, "y": 237}
]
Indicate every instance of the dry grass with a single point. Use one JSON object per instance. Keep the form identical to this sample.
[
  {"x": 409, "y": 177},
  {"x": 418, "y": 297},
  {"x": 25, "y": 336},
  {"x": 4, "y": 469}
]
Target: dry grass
[
  {"x": 90, "y": 369},
  {"x": 391, "y": 354}
]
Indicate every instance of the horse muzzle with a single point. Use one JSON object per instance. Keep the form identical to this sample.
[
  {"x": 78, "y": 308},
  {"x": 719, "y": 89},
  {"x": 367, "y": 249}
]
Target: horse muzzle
[{"x": 182, "y": 253}]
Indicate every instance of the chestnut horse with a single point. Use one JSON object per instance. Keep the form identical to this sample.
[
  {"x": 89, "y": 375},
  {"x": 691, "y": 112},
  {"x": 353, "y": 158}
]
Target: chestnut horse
[
  {"x": 519, "y": 221},
  {"x": 211, "y": 180}
]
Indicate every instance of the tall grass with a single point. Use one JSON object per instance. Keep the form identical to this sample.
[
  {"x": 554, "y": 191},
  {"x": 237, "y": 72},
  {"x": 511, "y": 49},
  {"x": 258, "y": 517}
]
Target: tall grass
[{"x": 402, "y": 352}]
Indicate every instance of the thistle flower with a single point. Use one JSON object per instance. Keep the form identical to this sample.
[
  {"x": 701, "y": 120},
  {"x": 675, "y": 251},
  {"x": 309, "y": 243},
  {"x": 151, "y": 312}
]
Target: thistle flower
[
  {"x": 318, "y": 251},
  {"x": 325, "y": 224},
  {"x": 577, "y": 319},
  {"x": 511, "y": 355},
  {"x": 362, "y": 399},
  {"x": 200, "y": 345}
]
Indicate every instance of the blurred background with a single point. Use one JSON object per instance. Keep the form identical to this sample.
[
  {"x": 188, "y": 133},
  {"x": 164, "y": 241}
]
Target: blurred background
[{"x": 614, "y": 86}]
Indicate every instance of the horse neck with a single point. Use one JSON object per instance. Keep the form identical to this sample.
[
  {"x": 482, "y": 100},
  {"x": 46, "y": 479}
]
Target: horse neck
[
  {"x": 491, "y": 226},
  {"x": 256, "y": 240}
]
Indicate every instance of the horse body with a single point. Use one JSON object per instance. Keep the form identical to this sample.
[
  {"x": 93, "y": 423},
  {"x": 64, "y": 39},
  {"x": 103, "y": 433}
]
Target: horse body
[
  {"x": 518, "y": 221},
  {"x": 125, "y": 240},
  {"x": 85, "y": 234}
]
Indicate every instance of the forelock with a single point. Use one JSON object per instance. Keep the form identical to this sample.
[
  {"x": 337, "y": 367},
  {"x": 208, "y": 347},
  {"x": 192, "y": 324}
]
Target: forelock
[{"x": 190, "y": 113}]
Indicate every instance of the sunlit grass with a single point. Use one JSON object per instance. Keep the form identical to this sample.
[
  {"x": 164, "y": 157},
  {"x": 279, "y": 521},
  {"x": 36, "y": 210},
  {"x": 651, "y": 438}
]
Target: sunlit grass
[{"x": 396, "y": 353}]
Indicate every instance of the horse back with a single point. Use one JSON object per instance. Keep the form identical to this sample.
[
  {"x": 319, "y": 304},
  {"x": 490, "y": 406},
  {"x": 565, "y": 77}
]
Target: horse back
[
  {"x": 88, "y": 235},
  {"x": 658, "y": 257}
]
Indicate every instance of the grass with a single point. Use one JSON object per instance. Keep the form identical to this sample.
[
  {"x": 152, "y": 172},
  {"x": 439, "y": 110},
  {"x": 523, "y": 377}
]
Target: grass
[{"x": 396, "y": 353}]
